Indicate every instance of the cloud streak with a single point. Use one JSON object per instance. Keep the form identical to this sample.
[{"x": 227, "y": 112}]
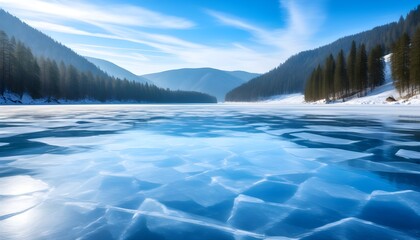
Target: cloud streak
[
  {"x": 268, "y": 47},
  {"x": 303, "y": 20},
  {"x": 126, "y": 15}
]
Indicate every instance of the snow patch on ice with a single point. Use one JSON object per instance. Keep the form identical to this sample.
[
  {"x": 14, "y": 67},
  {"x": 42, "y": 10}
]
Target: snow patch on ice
[
  {"x": 330, "y": 154},
  {"x": 323, "y": 139},
  {"x": 409, "y": 154}
]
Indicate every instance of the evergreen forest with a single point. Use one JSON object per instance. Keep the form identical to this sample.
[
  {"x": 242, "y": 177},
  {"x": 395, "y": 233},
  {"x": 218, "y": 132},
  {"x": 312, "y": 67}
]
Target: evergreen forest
[{"x": 21, "y": 72}]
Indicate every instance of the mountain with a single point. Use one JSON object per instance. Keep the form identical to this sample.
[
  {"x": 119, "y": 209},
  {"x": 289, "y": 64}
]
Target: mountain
[
  {"x": 291, "y": 76},
  {"x": 207, "y": 80},
  {"x": 116, "y": 71},
  {"x": 43, "y": 45},
  {"x": 36, "y": 66}
]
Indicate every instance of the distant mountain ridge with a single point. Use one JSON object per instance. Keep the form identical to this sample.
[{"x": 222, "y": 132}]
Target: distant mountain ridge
[
  {"x": 291, "y": 76},
  {"x": 207, "y": 80},
  {"x": 116, "y": 71}
]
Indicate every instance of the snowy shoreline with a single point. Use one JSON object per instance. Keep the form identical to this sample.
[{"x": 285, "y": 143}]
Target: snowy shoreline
[
  {"x": 13, "y": 99},
  {"x": 376, "y": 97},
  {"x": 298, "y": 99}
]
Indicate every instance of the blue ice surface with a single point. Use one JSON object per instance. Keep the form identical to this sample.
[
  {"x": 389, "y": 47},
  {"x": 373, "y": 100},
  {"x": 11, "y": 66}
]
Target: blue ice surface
[{"x": 209, "y": 172}]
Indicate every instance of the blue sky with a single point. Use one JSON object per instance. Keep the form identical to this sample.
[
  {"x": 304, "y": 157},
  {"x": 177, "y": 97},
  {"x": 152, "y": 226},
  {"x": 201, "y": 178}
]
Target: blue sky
[{"x": 146, "y": 36}]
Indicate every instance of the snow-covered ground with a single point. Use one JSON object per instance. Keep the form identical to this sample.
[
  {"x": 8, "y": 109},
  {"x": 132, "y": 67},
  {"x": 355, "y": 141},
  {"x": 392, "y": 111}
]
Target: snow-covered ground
[
  {"x": 9, "y": 98},
  {"x": 377, "y": 96},
  {"x": 296, "y": 98},
  {"x": 380, "y": 94}
]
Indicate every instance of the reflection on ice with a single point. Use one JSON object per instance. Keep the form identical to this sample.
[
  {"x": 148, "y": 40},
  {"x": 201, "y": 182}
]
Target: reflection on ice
[
  {"x": 208, "y": 172},
  {"x": 15, "y": 205},
  {"x": 19, "y": 185}
]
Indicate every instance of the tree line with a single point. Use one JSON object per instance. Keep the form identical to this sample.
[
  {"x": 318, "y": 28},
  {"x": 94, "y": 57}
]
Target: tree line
[
  {"x": 291, "y": 76},
  {"x": 405, "y": 64},
  {"x": 339, "y": 78},
  {"x": 21, "y": 72},
  {"x": 342, "y": 76}
]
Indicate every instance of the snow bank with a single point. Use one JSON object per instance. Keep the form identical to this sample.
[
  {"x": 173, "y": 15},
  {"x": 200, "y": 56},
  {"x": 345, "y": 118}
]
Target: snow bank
[
  {"x": 9, "y": 98},
  {"x": 377, "y": 96},
  {"x": 296, "y": 98}
]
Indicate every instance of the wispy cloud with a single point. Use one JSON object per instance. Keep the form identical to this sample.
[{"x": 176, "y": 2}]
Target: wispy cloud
[
  {"x": 181, "y": 53},
  {"x": 127, "y": 15},
  {"x": 47, "y": 26},
  {"x": 303, "y": 20},
  {"x": 103, "y": 53}
]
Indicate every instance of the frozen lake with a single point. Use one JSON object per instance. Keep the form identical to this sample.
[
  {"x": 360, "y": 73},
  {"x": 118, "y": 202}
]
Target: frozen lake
[{"x": 209, "y": 172}]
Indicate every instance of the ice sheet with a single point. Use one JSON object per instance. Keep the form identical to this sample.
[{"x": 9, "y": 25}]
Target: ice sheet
[{"x": 208, "y": 172}]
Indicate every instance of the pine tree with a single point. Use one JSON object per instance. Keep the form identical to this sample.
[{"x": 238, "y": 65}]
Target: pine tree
[
  {"x": 310, "y": 88},
  {"x": 361, "y": 70},
  {"x": 21, "y": 69},
  {"x": 54, "y": 79},
  {"x": 4, "y": 42},
  {"x": 320, "y": 82},
  {"x": 72, "y": 82},
  {"x": 415, "y": 62},
  {"x": 328, "y": 78},
  {"x": 12, "y": 66},
  {"x": 340, "y": 76},
  {"x": 34, "y": 85},
  {"x": 351, "y": 67},
  {"x": 43, "y": 76},
  {"x": 400, "y": 63},
  {"x": 376, "y": 67}
]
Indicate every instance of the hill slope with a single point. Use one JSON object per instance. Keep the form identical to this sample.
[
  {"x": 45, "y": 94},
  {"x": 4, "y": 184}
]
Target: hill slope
[
  {"x": 291, "y": 76},
  {"x": 115, "y": 70},
  {"x": 42, "y": 45},
  {"x": 207, "y": 80}
]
